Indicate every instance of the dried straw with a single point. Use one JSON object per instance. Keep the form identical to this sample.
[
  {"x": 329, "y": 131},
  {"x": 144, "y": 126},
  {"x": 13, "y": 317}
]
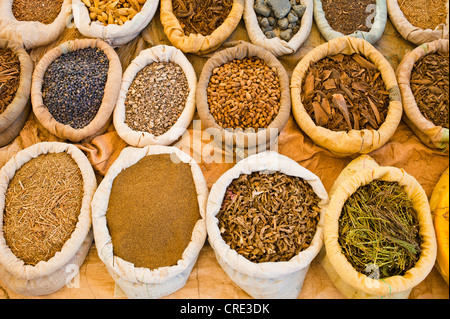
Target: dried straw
[{"x": 42, "y": 204}]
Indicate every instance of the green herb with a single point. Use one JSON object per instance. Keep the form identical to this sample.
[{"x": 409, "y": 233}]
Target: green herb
[{"x": 378, "y": 226}]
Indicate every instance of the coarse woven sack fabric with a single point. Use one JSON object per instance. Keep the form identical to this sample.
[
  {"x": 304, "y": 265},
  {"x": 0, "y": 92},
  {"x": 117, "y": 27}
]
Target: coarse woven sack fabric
[
  {"x": 49, "y": 276},
  {"x": 198, "y": 43},
  {"x": 439, "y": 209},
  {"x": 351, "y": 283},
  {"x": 111, "y": 92},
  {"x": 14, "y": 116},
  {"x": 430, "y": 134},
  {"x": 372, "y": 36},
  {"x": 10, "y": 133},
  {"x": 277, "y": 46},
  {"x": 114, "y": 34},
  {"x": 343, "y": 143},
  {"x": 33, "y": 34},
  {"x": 160, "y": 53},
  {"x": 412, "y": 33},
  {"x": 268, "y": 280},
  {"x": 140, "y": 282},
  {"x": 243, "y": 138}
]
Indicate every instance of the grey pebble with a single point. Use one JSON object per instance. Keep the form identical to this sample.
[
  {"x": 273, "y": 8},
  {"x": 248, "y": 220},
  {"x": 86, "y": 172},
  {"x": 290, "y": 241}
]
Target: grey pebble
[
  {"x": 286, "y": 35},
  {"x": 270, "y": 34},
  {"x": 283, "y": 23},
  {"x": 299, "y": 10},
  {"x": 280, "y": 8},
  {"x": 264, "y": 23},
  {"x": 262, "y": 9},
  {"x": 292, "y": 17}
]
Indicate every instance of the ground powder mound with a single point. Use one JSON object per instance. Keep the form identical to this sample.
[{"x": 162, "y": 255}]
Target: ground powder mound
[{"x": 152, "y": 211}]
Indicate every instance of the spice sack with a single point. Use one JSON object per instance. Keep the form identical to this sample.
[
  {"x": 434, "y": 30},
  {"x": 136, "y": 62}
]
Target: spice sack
[
  {"x": 418, "y": 34},
  {"x": 31, "y": 33},
  {"x": 92, "y": 92},
  {"x": 151, "y": 253},
  {"x": 138, "y": 128},
  {"x": 263, "y": 105},
  {"x": 370, "y": 27},
  {"x": 266, "y": 279},
  {"x": 44, "y": 263},
  {"x": 14, "y": 115},
  {"x": 371, "y": 282},
  {"x": 432, "y": 131},
  {"x": 439, "y": 209},
  {"x": 294, "y": 26},
  {"x": 210, "y": 29},
  {"x": 353, "y": 138},
  {"x": 114, "y": 24}
]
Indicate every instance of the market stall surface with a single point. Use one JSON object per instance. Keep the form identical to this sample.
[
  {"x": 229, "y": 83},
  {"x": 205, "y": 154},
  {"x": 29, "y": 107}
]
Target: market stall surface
[{"x": 208, "y": 280}]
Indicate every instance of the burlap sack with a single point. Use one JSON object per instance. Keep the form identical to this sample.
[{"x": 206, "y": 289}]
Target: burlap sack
[
  {"x": 49, "y": 276},
  {"x": 243, "y": 139},
  {"x": 16, "y": 113},
  {"x": 431, "y": 135},
  {"x": 197, "y": 43},
  {"x": 139, "y": 282},
  {"x": 350, "y": 282},
  {"x": 277, "y": 46},
  {"x": 412, "y": 33},
  {"x": 160, "y": 53},
  {"x": 372, "y": 36},
  {"x": 439, "y": 209},
  {"x": 268, "y": 280},
  {"x": 114, "y": 34},
  {"x": 104, "y": 116},
  {"x": 355, "y": 141},
  {"x": 32, "y": 33}
]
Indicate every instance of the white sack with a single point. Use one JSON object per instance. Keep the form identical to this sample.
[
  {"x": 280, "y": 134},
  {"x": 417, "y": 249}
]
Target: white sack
[
  {"x": 160, "y": 53},
  {"x": 267, "y": 280}
]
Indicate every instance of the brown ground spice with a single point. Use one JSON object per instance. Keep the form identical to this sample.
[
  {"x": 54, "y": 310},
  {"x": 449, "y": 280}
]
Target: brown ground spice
[
  {"x": 348, "y": 16},
  {"x": 44, "y": 11},
  {"x": 424, "y": 14},
  {"x": 152, "y": 211},
  {"x": 42, "y": 205}
]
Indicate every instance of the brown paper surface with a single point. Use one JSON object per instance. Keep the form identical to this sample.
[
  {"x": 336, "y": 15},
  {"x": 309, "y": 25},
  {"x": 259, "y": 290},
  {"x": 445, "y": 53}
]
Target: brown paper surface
[{"x": 208, "y": 280}]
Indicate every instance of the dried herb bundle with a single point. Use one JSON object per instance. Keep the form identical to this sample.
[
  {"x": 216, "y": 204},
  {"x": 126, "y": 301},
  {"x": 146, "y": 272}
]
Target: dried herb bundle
[
  {"x": 429, "y": 84},
  {"x": 269, "y": 217},
  {"x": 201, "y": 16},
  {"x": 348, "y": 16},
  {"x": 9, "y": 77},
  {"x": 378, "y": 226},
  {"x": 42, "y": 204},
  {"x": 345, "y": 92}
]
